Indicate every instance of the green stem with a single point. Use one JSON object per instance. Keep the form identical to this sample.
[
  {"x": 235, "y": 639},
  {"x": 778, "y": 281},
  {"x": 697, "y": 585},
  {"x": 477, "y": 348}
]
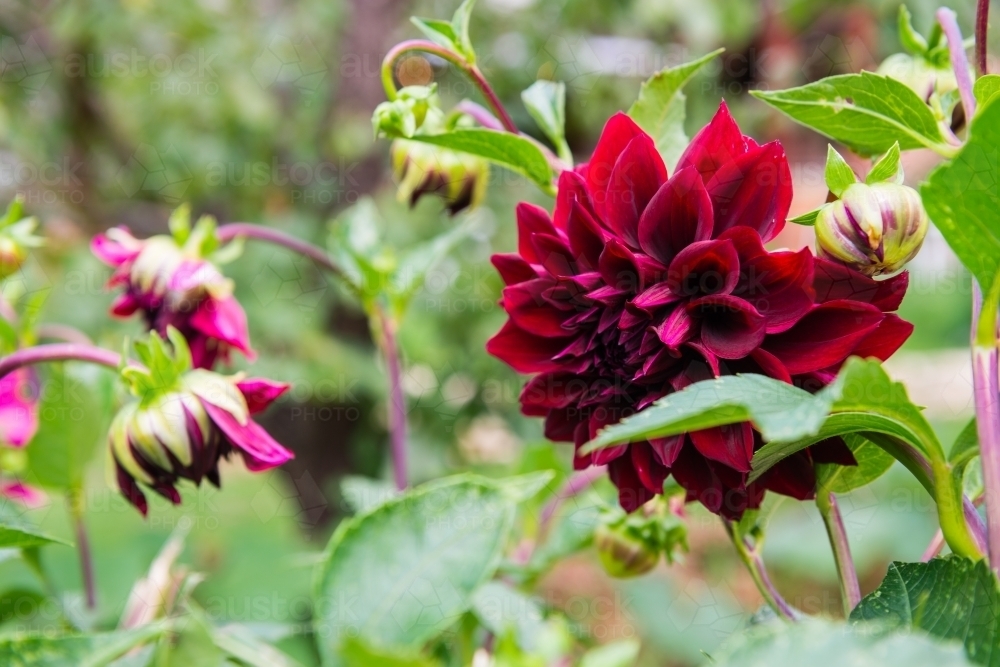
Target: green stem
[
  {"x": 850, "y": 591},
  {"x": 755, "y": 566}
]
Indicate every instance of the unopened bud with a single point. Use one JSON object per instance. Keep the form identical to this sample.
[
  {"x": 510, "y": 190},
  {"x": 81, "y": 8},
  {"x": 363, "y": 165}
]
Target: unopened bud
[
  {"x": 919, "y": 75},
  {"x": 875, "y": 229},
  {"x": 458, "y": 178},
  {"x": 625, "y": 551}
]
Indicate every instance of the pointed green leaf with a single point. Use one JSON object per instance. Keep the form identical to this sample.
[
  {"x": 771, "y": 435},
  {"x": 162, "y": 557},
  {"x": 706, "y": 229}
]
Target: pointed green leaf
[
  {"x": 866, "y": 112},
  {"x": 439, "y": 32},
  {"x": 546, "y": 102},
  {"x": 96, "y": 650},
  {"x": 887, "y": 168},
  {"x": 911, "y": 40},
  {"x": 400, "y": 574},
  {"x": 986, "y": 87},
  {"x": 838, "y": 173},
  {"x": 950, "y": 598},
  {"x": 966, "y": 445},
  {"x": 16, "y": 533},
  {"x": 806, "y": 219},
  {"x": 873, "y": 462},
  {"x": 358, "y": 653},
  {"x": 659, "y": 109},
  {"x": 460, "y": 27}
]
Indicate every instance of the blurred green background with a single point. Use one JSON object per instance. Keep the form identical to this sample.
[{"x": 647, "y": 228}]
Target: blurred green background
[{"x": 114, "y": 112}]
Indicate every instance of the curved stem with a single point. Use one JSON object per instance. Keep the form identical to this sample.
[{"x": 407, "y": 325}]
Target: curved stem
[
  {"x": 397, "y": 402},
  {"x": 959, "y": 62},
  {"x": 982, "y": 23},
  {"x": 471, "y": 71},
  {"x": 480, "y": 114},
  {"x": 38, "y": 354},
  {"x": 755, "y": 565},
  {"x": 850, "y": 591},
  {"x": 975, "y": 524},
  {"x": 249, "y": 230}
]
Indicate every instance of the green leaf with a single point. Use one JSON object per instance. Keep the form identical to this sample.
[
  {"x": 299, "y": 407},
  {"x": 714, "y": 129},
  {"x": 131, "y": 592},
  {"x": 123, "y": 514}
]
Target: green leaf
[
  {"x": 95, "y": 650},
  {"x": 363, "y": 493},
  {"x": 838, "y": 173},
  {"x": 439, "y": 32},
  {"x": 659, "y": 109},
  {"x": 400, "y": 574},
  {"x": 188, "y": 644},
  {"x": 239, "y": 642},
  {"x": 873, "y": 462},
  {"x": 820, "y": 643},
  {"x": 519, "y": 154},
  {"x": 501, "y": 608},
  {"x": 966, "y": 445},
  {"x": 985, "y": 88},
  {"x": 807, "y": 219},
  {"x": 886, "y": 169},
  {"x": 546, "y": 102},
  {"x": 623, "y": 653},
  {"x": 523, "y": 488},
  {"x": 962, "y": 198},
  {"x": 16, "y": 533},
  {"x": 413, "y": 267},
  {"x": 357, "y": 653},
  {"x": 866, "y": 112},
  {"x": 950, "y": 598},
  {"x": 778, "y": 410},
  {"x": 74, "y": 414},
  {"x": 460, "y": 27},
  {"x": 911, "y": 40}
]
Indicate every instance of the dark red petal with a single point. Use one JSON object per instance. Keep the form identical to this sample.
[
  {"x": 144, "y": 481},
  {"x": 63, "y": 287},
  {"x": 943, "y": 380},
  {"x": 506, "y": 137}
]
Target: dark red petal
[
  {"x": 512, "y": 268},
  {"x": 530, "y": 312},
  {"x": 832, "y": 450},
  {"x": 730, "y": 445},
  {"x": 679, "y": 214},
  {"x": 572, "y": 189},
  {"x": 627, "y": 271},
  {"x": 718, "y": 143},
  {"x": 792, "y": 476},
  {"x": 524, "y": 352},
  {"x": 834, "y": 281},
  {"x": 779, "y": 285},
  {"x": 616, "y": 135},
  {"x": 770, "y": 365},
  {"x": 691, "y": 471},
  {"x": 531, "y": 220},
  {"x": 548, "y": 391},
  {"x": 554, "y": 254},
  {"x": 560, "y": 425},
  {"x": 754, "y": 190},
  {"x": 632, "y": 493},
  {"x": 824, "y": 337},
  {"x": 887, "y": 337},
  {"x": 586, "y": 236},
  {"x": 667, "y": 449},
  {"x": 638, "y": 174},
  {"x": 747, "y": 242},
  {"x": 130, "y": 490},
  {"x": 705, "y": 267},
  {"x": 730, "y": 327},
  {"x": 651, "y": 473}
]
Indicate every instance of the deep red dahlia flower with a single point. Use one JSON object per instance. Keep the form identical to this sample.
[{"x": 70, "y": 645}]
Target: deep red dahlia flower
[{"x": 641, "y": 284}]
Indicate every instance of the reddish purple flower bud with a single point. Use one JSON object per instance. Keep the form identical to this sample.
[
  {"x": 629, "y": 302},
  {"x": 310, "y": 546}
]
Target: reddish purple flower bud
[
  {"x": 643, "y": 282},
  {"x": 185, "y": 421},
  {"x": 169, "y": 280}
]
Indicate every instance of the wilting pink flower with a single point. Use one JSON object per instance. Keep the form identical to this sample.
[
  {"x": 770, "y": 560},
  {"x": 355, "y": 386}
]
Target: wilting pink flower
[
  {"x": 185, "y": 421},
  {"x": 172, "y": 285},
  {"x": 641, "y": 284},
  {"x": 18, "y": 425}
]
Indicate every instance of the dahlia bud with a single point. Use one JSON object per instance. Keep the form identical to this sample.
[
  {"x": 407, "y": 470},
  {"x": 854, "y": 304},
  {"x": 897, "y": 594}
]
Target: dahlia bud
[
  {"x": 171, "y": 281},
  {"x": 17, "y": 236},
  {"x": 458, "y": 178},
  {"x": 623, "y": 550},
  {"x": 919, "y": 75},
  {"x": 875, "y": 229},
  {"x": 185, "y": 421}
]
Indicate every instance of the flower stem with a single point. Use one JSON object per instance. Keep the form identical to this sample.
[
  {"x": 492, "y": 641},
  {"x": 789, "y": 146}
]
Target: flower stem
[
  {"x": 38, "y": 354},
  {"x": 75, "y": 502},
  {"x": 959, "y": 62},
  {"x": 850, "y": 591},
  {"x": 578, "y": 482},
  {"x": 234, "y": 230},
  {"x": 397, "y": 402},
  {"x": 470, "y": 70},
  {"x": 982, "y": 23},
  {"x": 755, "y": 565}
]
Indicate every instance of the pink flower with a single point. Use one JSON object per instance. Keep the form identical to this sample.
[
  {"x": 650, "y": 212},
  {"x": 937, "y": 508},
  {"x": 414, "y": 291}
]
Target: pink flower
[{"x": 173, "y": 285}]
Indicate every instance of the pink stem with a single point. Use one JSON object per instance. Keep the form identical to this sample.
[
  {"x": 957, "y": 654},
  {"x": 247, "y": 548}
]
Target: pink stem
[
  {"x": 982, "y": 23},
  {"x": 83, "y": 548},
  {"x": 38, "y": 354},
  {"x": 841, "y": 552},
  {"x": 479, "y": 114},
  {"x": 397, "y": 402},
  {"x": 959, "y": 61},
  {"x": 233, "y": 230},
  {"x": 577, "y": 483}
]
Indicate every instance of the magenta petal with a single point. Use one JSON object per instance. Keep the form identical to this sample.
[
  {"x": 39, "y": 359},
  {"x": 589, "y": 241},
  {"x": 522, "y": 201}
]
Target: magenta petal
[
  {"x": 705, "y": 267},
  {"x": 718, "y": 143},
  {"x": 677, "y": 329},
  {"x": 225, "y": 320},
  {"x": 656, "y": 296},
  {"x": 26, "y": 495},
  {"x": 636, "y": 177},
  {"x": 730, "y": 327},
  {"x": 261, "y": 392},
  {"x": 530, "y": 312},
  {"x": 114, "y": 253},
  {"x": 586, "y": 237},
  {"x": 679, "y": 214},
  {"x": 260, "y": 451},
  {"x": 554, "y": 254},
  {"x": 824, "y": 337},
  {"x": 730, "y": 445},
  {"x": 531, "y": 220},
  {"x": 754, "y": 190},
  {"x": 779, "y": 285},
  {"x": 18, "y": 408},
  {"x": 524, "y": 352},
  {"x": 771, "y": 366},
  {"x": 512, "y": 268},
  {"x": 616, "y": 135},
  {"x": 124, "y": 305}
]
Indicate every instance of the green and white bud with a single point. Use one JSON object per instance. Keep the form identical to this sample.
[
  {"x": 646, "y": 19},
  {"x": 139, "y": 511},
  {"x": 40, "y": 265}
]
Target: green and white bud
[
  {"x": 875, "y": 229},
  {"x": 17, "y": 237},
  {"x": 460, "y": 179}
]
